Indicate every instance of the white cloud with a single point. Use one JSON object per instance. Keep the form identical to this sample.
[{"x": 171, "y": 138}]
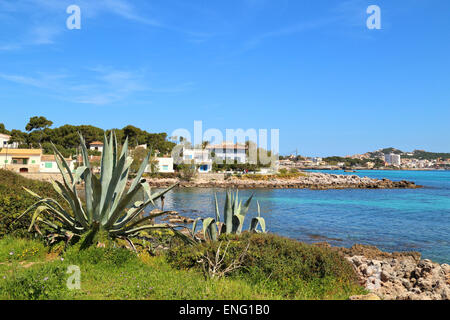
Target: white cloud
[
  {"x": 46, "y": 19},
  {"x": 99, "y": 86}
]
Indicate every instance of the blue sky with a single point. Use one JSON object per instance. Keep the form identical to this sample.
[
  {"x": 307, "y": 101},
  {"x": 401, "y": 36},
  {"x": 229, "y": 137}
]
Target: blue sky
[{"x": 309, "y": 68}]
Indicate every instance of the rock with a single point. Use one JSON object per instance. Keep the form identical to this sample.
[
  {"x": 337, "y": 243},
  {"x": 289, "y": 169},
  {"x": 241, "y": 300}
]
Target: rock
[
  {"x": 445, "y": 293},
  {"x": 426, "y": 265},
  {"x": 384, "y": 276},
  {"x": 446, "y": 267},
  {"x": 407, "y": 284},
  {"x": 370, "y": 296},
  {"x": 399, "y": 276},
  {"x": 356, "y": 261}
]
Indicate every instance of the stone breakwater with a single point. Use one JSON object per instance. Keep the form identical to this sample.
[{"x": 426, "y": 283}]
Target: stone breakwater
[
  {"x": 399, "y": 275},
  {"x": 311, "y": 180}
]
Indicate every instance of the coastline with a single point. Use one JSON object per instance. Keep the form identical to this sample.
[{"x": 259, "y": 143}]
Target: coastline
[{"x": 310, "y": 180}]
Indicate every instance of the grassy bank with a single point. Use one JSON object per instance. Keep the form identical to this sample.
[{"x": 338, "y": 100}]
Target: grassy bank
[{"x": 122, "y": 274}]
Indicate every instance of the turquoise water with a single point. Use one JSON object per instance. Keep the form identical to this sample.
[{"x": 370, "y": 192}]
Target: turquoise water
[{"x": 393, "y": 220}]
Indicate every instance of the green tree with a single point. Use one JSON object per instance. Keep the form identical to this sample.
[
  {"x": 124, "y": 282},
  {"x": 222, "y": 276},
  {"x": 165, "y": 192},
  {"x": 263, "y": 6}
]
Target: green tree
[
  {"x": 139, "y": 155},
  {"x": 3, "y": 129},
  {"x": 18, "y": 136},
  {"x": 37, "y": 124}
]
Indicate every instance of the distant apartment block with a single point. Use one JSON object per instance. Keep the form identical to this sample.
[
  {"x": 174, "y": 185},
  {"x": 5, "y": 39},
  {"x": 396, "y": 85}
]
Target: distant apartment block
[{"x": 393, "y": 159}]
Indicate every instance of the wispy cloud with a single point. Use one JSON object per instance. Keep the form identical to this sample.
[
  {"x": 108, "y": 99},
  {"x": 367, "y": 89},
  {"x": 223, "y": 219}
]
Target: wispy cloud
[
  {"x": 97, "y": 86},
  {"x": 46, "y": 19},
  {"x": 286, "y": 31},
  {"x": 350, "y": 14}
]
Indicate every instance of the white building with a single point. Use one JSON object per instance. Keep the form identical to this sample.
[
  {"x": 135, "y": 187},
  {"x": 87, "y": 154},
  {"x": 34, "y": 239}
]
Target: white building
[
  {"x": 49, "y": 165},
  {"x": 201, "y": 158},
  {"x": 393, "y": 159},
  {"x": 164, "y": 165},
  {"x": 21, "y": 160},
  {"x": 4, "y": 139},
  {"x": 96, "y": 146},
  {"x": 229, "y": 152}
]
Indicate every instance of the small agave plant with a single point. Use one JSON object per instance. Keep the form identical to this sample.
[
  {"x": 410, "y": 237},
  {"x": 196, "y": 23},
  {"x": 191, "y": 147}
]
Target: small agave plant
[
  {"x": 108, "y": 207},
  {"x": 234, "y": 216}
]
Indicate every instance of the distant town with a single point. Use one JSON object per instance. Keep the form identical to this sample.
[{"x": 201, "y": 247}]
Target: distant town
[
  {"x": 32, "y": 152},
  {"x": 389, "y": 158}
]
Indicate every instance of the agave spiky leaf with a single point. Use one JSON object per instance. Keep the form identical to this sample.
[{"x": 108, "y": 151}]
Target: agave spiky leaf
[
  {"x": 210, "y": 229},
  {"x": 217, "y": 208},
  {"x": 107, "y": 199},
  {"x": 228, "y": 213},
  {"x": 194, "y": 226},
  {"x": 235, "y": 212},
  {"x": 258, "y": 221}
]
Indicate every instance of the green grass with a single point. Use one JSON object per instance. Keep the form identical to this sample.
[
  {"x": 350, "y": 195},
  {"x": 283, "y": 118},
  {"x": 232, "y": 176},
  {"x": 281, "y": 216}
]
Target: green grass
[
  {"x": 108, "y": 274},
  {"x": 14, "y": 249},
  {"x": 117, "y": 274}
]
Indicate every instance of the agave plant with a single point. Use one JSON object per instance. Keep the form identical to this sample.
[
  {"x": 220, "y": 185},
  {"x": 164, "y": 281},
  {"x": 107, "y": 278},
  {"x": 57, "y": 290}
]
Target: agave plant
[
  {"x": 235, "y": 212},
  {"x": 108, "y": 205}
]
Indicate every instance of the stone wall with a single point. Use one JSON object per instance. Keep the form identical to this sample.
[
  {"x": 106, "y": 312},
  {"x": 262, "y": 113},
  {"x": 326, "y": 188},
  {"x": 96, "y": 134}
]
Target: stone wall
[
  {"x": 211, "y": 177},
  {"x": 43, "y": 176},
  {"x": 18, "y": 167}
]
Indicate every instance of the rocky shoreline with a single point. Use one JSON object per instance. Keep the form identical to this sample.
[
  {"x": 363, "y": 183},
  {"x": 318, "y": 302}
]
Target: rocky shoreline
[
  {"x": 398, "y": 275},
  {"x": 310, "y": 180}
]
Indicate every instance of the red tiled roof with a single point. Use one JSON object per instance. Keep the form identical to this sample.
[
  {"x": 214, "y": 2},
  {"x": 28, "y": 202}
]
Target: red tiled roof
[{"x": 50, "y": 158}]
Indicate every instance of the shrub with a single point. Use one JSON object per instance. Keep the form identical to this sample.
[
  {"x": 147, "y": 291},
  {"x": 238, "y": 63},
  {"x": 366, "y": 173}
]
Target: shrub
[
  {"x": 187, "y": 172},
  {"x": 14, "y": 201},
  {"x": 283, "y": 263}
]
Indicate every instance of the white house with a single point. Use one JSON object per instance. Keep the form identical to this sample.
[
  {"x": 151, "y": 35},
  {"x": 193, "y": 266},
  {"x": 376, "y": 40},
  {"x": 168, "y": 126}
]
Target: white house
[
  {"x": 4, "y": 139},
  {"x": 200, "y": 157},
  {"x": 21, "y": 160},
  {"x": 49, "y": 165},
  {"x": 228, "y": 151},
  {"x": 165, "y": 165},
  {"x": 96, "y": 146}
]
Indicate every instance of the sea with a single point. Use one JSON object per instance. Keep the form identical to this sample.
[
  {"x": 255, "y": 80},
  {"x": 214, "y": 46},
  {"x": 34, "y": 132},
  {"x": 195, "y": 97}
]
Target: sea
[{"x": 392, "y": 220}]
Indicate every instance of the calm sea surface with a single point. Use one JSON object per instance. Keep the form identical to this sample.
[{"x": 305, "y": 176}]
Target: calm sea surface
[{"x": 392, "y": 220}]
